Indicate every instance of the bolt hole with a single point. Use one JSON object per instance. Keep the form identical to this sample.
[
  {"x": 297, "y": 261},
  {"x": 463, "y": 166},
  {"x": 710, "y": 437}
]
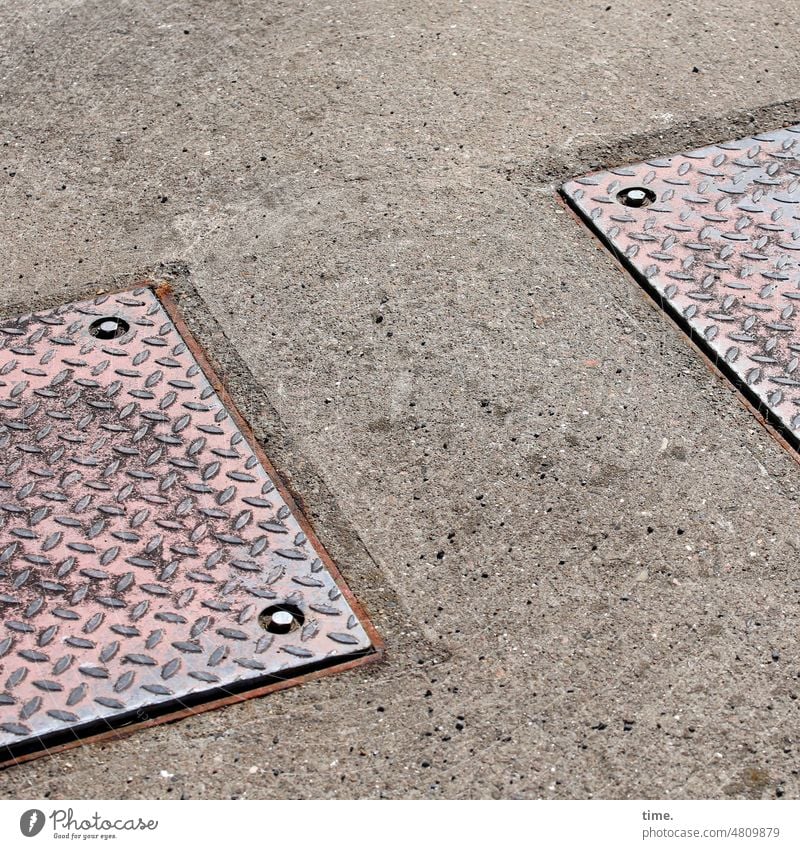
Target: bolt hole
[
  {"x": 636, "y": 196},
  {"x": 281, "y": 618},
  {"x": 109, "y": 327}
]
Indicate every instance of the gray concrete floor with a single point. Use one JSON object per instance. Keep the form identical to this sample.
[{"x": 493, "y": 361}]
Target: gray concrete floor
[{"x": 581, "y": 549}]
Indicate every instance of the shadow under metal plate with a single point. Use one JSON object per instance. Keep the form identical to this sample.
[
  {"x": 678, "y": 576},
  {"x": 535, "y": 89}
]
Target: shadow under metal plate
[
  {"x": 714, "y": 235},
  {"x": 151, "y": 563}
]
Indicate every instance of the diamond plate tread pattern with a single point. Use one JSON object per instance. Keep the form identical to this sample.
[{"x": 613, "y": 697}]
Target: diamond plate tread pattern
[
  {"x": 720, "y": 245},
  {"x": 140, "y": 536}
]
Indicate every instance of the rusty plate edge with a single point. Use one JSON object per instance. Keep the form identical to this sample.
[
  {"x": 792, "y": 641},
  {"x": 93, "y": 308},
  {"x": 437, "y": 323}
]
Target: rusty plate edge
[
  {"x": 377, "y": 653},
  {"x": 236, "y": 698},
  {"x": 774, "y": 428},
  {"x": 164, "y": 294}
]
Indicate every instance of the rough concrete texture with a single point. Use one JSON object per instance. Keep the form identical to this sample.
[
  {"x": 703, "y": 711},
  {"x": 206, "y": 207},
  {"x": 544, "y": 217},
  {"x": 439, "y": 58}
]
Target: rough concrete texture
[{"x": 581, "y": 549}]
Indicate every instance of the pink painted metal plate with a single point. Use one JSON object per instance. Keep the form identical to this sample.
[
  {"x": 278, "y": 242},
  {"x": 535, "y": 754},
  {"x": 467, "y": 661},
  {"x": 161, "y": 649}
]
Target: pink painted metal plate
[
  {"x": 715, "y": 235},
  {"x": 148, "y": 559}
]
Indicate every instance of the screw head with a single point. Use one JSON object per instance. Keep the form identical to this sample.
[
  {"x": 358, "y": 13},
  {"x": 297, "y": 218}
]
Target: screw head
[
  {"x": 109, "y": 327},
  {"x": 281, "y": 618},
  {"x": 636, "y": 196}
]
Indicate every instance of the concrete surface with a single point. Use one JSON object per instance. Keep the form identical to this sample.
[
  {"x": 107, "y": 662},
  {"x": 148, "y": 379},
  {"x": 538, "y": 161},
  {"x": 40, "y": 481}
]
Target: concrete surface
[{"x": 581, "y": 549}]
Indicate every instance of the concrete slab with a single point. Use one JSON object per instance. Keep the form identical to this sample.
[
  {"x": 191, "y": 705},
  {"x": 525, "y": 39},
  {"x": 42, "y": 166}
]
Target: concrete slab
[{"x": 580, "y": 547}]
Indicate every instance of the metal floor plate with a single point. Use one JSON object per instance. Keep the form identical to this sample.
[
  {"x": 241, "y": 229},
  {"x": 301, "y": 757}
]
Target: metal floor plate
[
  {"x": 144, "y": 538},
  {"x": 715, "y": 235}
]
